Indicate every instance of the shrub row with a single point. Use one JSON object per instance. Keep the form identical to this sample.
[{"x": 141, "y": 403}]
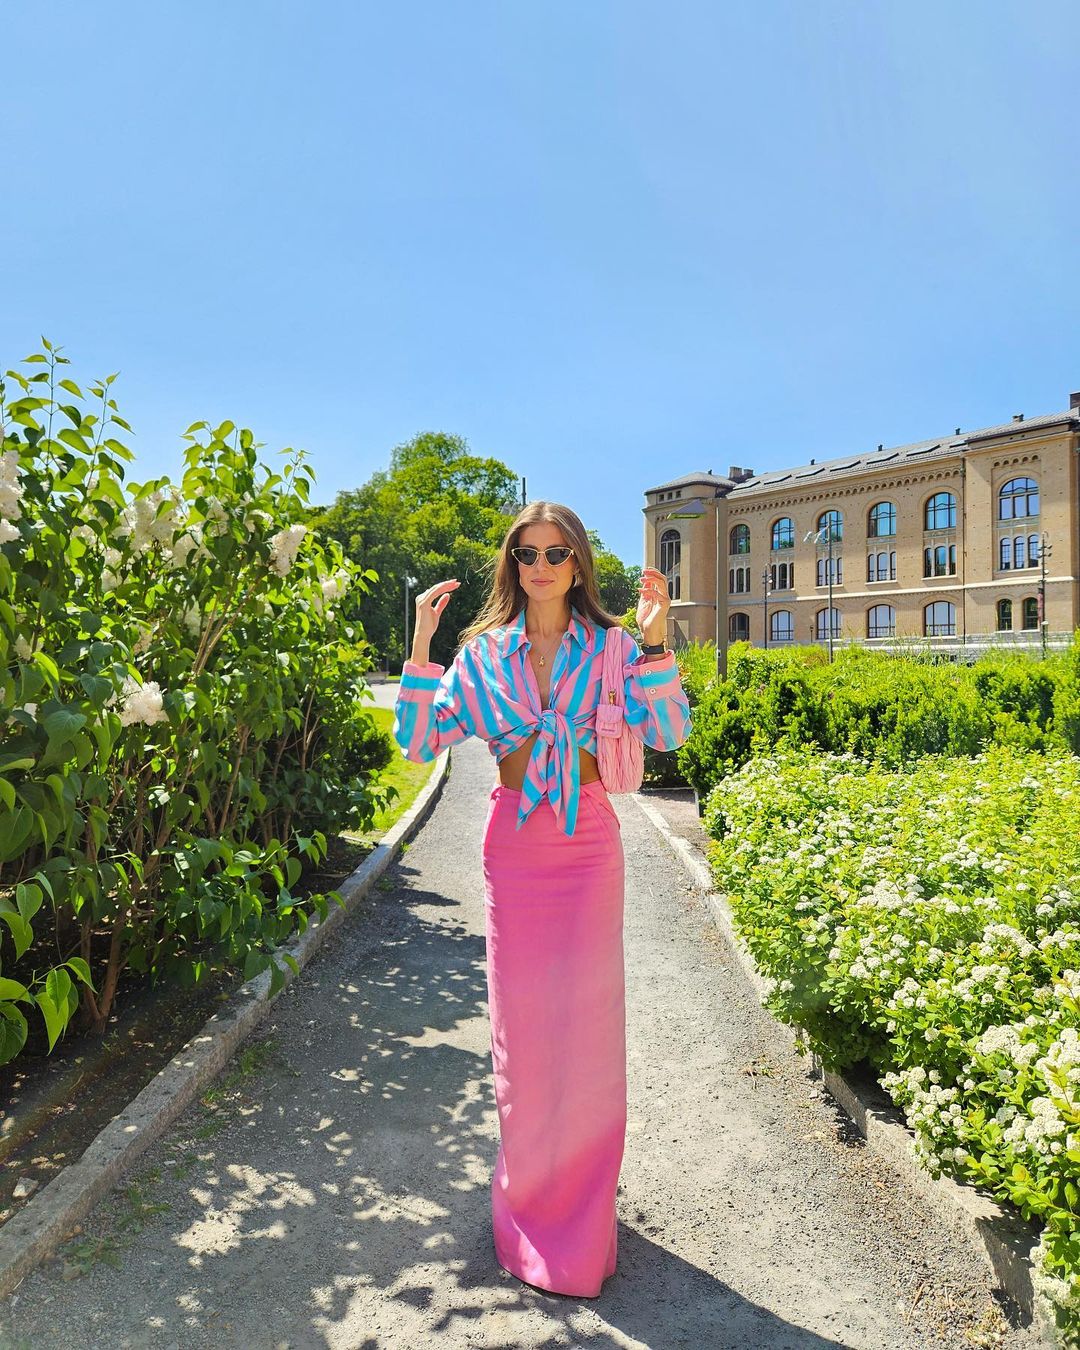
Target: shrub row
[
  {"x": 180, "y": 706},
  {"x": 889, "y": 708},
  {"x": 926, "y": 919}
]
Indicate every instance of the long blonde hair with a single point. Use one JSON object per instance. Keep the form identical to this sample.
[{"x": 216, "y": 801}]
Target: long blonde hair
[{"x": 507, "y": 597}]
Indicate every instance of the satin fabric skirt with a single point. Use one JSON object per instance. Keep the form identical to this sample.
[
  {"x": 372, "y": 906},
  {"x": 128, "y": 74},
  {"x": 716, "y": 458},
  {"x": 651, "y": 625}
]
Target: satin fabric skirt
[{"x": 554, "y": 928}]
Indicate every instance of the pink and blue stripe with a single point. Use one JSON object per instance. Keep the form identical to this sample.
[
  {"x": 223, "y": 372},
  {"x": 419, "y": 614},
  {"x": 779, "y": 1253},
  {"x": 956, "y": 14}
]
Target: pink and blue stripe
[{"x": 490, "y": 691}]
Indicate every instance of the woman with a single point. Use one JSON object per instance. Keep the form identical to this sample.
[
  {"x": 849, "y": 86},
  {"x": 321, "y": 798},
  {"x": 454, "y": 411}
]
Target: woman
[{"x": 527, "y": 680}]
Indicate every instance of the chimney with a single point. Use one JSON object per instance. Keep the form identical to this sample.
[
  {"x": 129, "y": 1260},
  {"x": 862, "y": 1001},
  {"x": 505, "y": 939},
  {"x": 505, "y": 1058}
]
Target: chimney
[
  {"x": 1018, "y": 417},
  {"x": 738, "y": 474},
  {"x": 1074, "y": 402}
]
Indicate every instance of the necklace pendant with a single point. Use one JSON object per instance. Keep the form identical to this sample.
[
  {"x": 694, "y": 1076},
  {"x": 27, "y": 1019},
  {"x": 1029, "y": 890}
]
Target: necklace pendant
[{"x": 542, "y": 660}]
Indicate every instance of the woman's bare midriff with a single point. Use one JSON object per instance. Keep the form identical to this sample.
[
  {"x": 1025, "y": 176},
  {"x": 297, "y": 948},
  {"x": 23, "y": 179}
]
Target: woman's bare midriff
[{"x": 512, "y": 768}]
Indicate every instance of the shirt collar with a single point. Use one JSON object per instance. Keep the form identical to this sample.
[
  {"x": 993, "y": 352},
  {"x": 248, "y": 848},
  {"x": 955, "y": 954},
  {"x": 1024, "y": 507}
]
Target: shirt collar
[{"x": 580, "y": 630}]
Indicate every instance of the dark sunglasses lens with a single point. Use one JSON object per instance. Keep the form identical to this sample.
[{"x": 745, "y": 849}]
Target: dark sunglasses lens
[
  {"x": 555, "y": 556},
  {"x": 525, "y": 555}
]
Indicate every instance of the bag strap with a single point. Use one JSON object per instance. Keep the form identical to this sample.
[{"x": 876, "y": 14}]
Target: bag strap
[{"x": 612, "y": 671}]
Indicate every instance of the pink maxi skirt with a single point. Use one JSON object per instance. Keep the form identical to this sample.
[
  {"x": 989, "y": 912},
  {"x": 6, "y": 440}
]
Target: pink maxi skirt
[{"x": 554, "y": 927}]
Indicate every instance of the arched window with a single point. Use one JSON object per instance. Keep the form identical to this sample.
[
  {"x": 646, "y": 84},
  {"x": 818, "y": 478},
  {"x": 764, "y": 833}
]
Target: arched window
[
  {"x": 881, "y": 567},
  {"x": 939, "y": 561},
  {"x": 1033, "y": 550},
  {"x": 1019, "y": 551},
  {"x": 1005, "y": 560},
  {"x": 881, "y": 621},
  {"x": 833, "y": 521},
  {"x": 823, "y": 570},
  {"x": 783, "y": 533},
  {"x": 939, "y": 619},
  {"x": 781, "y": 576},
  {"x": 941, "y": 511},
  {"x": 738, "y": 580},
  {"x": 1018, "y": 497},
  {"x": 739, "y": 628},
  {"x": 671, "y": 561},
  {"x": 1004, "y": 616},
  {"x": 882, "y": 520},
  {"x": 1031, "y": 612},
  {"x": 781, "y": 626},
  {"x": 822, "y": 623},
  {"x": 739, "y": 539}
]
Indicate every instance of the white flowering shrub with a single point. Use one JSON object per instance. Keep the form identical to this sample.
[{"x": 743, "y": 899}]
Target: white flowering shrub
[
  {"x": 928, "y": 920},
  {"x": 180, "y": 706}
]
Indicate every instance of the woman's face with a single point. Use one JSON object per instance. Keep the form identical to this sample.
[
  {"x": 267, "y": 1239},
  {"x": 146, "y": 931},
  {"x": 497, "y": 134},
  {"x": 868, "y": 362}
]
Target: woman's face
[{"x": 540, "y": 580}]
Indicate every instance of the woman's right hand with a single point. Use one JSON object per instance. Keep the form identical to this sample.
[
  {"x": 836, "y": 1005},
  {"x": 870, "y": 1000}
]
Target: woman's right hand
[{"x": 429, "y": 607}]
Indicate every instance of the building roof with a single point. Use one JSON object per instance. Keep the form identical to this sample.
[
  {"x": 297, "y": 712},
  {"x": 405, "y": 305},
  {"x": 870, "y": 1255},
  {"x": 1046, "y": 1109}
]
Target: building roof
[
  {"x": 702, "y": 476},
  {"x": 898, "y": 457}
]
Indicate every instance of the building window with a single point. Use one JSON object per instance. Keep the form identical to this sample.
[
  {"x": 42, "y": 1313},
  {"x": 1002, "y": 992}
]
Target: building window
[
  {"x": 881, "y": 621},
  {"x": 783, "y": 533},
  {"x": 782, "y": 576},
  {"x": 939, "y": 619},
  {"x": 881, "y": 567},
  {"x": 671, "y": 561},
  {"x": 781, "y": 626},
  {"x": 837, "y": 571},
  {"x": 1033, "y": 550},
  {"x": 1019, "y": 497},
  {"x": 822, "y": 623},
  {"x": 1031, "y": 612},
  {"x": 941, "y": 511},
  {"x": 882, "y": 520},
  {"x": 833, "y": 523},
  {"x": 739, "y": 539},
  {"x": 1004, "y": 616},
  {"x": 939, "y": 561},
  {"x": 1005, "y": 554},
  {"x": 739, "y": 628},
  {"x": 738, "y": 580}
]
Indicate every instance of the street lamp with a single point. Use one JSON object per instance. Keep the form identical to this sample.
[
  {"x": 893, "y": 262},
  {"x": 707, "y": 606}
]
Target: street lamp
[
  {"x": 409, "y": 581},
  {"x": 694, "y": 510},
  {"x": 1045, "y": 550},
  {"x": 826, "y": 530}
]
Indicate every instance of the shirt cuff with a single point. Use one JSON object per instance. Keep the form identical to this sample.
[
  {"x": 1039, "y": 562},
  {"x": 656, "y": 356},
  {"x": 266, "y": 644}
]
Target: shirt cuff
[
  {"x": 658, "y": 679},
  {"x": 419, "y": 683}
]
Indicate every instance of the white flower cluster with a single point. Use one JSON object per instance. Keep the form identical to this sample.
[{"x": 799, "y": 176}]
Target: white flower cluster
[
  {"x": 11, "y": 490},
  {"x": 996, "y": 934},
  {"x": 140, "y": 520},
  {"x": 141, "y": 703},
  {"x": 284, "y": 547},
  {"x": 331, "y": 589}
]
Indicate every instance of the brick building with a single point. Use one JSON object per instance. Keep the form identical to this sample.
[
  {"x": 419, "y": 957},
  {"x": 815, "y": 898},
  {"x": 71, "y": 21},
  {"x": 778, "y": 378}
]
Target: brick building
[{"x": 956, "y": 544}]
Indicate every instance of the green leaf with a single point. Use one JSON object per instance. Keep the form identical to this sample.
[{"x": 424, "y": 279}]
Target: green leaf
[
  {"x": 71, "y": 387},
  {"x": 55, "y": 1020},
  {"x": 28, "y": 897},
  {"x": 62, "y": 725},
  {"x": 12, "y": 1032},
  {"x": 10, "y": 989},
  {"x": 82, "y": 970},
  {"x": 58, "y": 987},
  {"x": 21, "y": 932}
]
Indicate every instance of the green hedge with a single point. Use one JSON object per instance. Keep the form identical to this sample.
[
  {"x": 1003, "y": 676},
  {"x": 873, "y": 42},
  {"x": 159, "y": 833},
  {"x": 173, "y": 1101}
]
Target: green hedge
[
  {"x": 181, "y": 713},
  {"x": 889, "y": 708}
]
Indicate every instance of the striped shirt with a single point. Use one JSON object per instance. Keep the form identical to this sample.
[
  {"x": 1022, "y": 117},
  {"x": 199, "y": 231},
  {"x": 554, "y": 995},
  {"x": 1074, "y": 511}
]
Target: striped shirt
[{"x": 491, "y": 691}]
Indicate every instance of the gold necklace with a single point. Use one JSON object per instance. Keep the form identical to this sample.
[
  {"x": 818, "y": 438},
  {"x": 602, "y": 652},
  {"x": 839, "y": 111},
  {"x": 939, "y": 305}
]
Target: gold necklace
[{"x": 543, "y": 658}]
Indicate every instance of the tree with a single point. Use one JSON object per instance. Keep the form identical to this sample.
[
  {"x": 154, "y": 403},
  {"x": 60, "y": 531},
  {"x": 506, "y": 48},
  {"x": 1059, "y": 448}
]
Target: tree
[{"x": 438, "y": 512}]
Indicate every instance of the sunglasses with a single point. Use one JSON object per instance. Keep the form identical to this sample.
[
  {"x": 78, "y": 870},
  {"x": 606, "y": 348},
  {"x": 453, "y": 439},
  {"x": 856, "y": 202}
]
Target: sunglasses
[{"x": 556, "y": 555}]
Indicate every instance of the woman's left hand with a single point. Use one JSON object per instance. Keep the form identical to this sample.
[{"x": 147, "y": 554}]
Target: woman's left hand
[{"x": 653, "y": 605}]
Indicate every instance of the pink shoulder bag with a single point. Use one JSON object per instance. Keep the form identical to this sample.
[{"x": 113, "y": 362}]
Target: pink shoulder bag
[{"x": 620, "y": 756}]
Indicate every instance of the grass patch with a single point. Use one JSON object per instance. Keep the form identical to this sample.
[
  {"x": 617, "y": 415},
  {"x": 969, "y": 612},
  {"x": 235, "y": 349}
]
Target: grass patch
[{"x": 406, "y": 776}]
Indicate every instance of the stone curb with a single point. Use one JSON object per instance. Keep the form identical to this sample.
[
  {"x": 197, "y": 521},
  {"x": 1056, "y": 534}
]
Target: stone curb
[
  {"x": 1004, "y": 1239},
  {"x": 33, "y": 1234}
]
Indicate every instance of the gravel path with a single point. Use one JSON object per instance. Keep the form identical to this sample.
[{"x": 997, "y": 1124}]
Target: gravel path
[{"x": 334, "y": 1192}]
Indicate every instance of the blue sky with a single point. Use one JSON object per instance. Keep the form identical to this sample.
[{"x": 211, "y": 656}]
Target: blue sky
[{"x": 608, "y": 243}]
